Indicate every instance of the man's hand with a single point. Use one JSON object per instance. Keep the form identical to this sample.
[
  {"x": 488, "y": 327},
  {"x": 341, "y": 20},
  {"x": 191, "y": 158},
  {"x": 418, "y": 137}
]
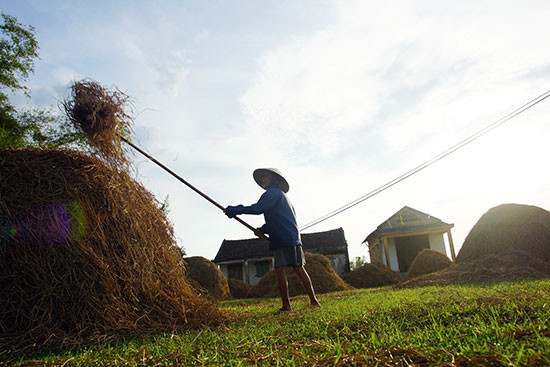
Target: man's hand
[{"x": 232, "y": 211}]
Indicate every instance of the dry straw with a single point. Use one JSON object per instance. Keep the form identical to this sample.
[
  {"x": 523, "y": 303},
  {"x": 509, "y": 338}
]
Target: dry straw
[
  {"x": 372, "y": 275},
  {"x": 206, "y": 278},
  {"x": 86, "y": 254},
  {"x": 508, "y": 243},
  {"x": 509, "y": 227},
  {"x": 101, "y": 115},
  {"x": 321, "y": 272},
  {"x": 238, "y": 288},
  {"x": 428, "y": 261},
  {"x": 507, "y": 266}
]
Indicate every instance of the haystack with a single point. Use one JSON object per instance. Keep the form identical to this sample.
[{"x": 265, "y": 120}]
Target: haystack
[
  {"x": 322, "y": 275},
  {"x": 372, "y": 275},
  {"x": 428, "y": 261},
  {"x": 206, "y": 278},
  {"x": 509, "y": 227},
  {"x": 238, "y": 288},
  {"x": 507, "y": 266},
  {"x": 86, "y": 254}
]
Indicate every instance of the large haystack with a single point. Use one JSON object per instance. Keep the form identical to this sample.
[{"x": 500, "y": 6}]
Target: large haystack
[
  {"x": 206, "y": 278},
  {"x": 507, "y": 266},
  {"x": 238, "y": 288},
  {"x": 322, "y": 275},
  {"x": 428, "y": 261},
  {"x": 509, "y": 227},
  {"x": 372, "y": 275},
  {"x": 85, "y": 254}
]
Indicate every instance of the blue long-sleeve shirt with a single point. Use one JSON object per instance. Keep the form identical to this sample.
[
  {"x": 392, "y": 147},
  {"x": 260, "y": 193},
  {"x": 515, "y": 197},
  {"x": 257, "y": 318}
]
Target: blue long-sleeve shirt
[{"x": 280, "y": 217}]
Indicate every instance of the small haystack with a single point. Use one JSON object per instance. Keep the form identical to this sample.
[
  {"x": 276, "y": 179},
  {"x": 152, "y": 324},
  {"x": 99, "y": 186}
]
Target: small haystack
[
  {"x": 507, "y": 266},
  {"x": 372, "y": 275},
  {"x": 238, "y": 288},
  {"x": 206, "y": 278},
  {"x": 86, "y": 254},
  {"x": 509, "y": 227},
  {"x": 428, "y": 261},
  {"x": 322, "y": 275}
]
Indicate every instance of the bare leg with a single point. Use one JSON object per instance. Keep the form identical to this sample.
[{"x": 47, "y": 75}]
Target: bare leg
[
  {"x": 306, "y": 282},
  {"x": 283, "y": 286}
]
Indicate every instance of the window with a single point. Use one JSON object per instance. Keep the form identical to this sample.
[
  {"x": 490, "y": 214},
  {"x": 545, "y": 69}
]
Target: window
[
  {"x": 235, "y": 271},
  {"x": 262, "y": 267}
]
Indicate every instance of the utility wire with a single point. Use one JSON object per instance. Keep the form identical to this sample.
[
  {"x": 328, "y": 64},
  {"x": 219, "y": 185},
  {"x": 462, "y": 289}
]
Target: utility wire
[{"x": 428, "y": 163}]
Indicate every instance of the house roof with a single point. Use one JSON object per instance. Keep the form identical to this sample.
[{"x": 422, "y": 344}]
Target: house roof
[
  {"x": 408, "y": 220},
  {"x": 326, "y": 243}
]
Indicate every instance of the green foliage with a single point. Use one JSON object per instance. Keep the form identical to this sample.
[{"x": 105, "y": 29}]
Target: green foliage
[
  {"x": 36, "y": 128},
  {"x": 165, "y": 209},
  {"x": 18, "y": 50},
  {"x": 357, "y": 262},
  {"x": 11, "y": 133},
  {"x": 29, "y": 128}
]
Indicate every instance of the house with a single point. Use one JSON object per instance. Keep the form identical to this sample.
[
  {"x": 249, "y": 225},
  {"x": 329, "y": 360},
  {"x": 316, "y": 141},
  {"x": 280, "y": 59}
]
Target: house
[
  {"x": 396, "y": 242},
  {"x": 250, "y": 259}
]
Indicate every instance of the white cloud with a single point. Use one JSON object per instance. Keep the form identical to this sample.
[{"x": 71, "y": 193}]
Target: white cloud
[
  {"x": 402, "y": 82},
  {"x": 307, "y": 95},
  {"x": 171, "y": 73},
  {"x": 65, "y": 75}
]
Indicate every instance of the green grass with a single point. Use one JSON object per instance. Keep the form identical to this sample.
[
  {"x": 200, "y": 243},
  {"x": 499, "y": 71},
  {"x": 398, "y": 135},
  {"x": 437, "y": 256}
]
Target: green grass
[{"x": 492, "y": 325}]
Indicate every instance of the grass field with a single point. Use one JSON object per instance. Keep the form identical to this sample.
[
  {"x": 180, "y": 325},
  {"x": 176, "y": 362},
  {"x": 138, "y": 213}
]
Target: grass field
[{"x": 504, "y": 324}]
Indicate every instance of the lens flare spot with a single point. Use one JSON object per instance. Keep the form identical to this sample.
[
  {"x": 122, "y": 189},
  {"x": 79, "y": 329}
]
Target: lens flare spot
[
  {"x": 77, "y": 219},
  {"x": 47, "y": 225},
  {"x": 7, "y": 233},
  {"x": 51, "y": 224}
]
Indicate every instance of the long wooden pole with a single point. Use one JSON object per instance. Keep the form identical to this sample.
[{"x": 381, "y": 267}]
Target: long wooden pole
[{"x": 188, "y": 184}]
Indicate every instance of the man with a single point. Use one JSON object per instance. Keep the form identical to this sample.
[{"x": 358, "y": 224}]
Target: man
[{"x": 280, "y": 225}]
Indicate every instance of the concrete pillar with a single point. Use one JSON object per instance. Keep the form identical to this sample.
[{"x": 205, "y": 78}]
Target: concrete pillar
[
  {"x": 451, "y": 246},
  {"x": 387, "y": 252}
]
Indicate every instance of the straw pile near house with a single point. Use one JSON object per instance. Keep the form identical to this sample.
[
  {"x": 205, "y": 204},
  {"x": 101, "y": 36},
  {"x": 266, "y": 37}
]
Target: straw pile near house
[
  {"x": 372, "y": 275},
  {"x": 238, "y": 288},
  {"x": 510, "y": 242},
  {"x": 206, "y": 278},
  {"x": 508, "y": 266},
  {"x": 86, "y": 254},
  {"x": 428, "y": 261},
  {"x": 322, "y": 275},
  {"x": 509, "y": 227}
]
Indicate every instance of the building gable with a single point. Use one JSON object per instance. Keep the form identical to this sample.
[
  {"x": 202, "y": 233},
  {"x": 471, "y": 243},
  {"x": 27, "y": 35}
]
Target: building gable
[
  {"x": 408, "y": 220},
  {"x": 398, "y": 239}
]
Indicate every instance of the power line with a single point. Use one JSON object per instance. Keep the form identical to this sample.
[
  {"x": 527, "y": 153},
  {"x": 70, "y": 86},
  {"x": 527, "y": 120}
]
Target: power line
[{"x": 428, "y": 163}]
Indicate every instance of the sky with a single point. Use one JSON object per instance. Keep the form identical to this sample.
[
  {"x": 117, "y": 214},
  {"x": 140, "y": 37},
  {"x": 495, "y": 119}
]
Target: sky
[{"x": 341, "y": 96}]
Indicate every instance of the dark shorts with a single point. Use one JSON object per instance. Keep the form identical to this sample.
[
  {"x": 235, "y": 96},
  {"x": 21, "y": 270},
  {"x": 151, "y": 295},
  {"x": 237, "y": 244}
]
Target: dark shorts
[{"x": 289, "y": 256}]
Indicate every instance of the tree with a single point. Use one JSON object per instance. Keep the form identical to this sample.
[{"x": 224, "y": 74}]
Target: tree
[
  {"x": 164, "y": 208},
  {"x": 18, "y": 51},
  {"x": 29, "y": 128},
  {"x": 357, "y": 262}
]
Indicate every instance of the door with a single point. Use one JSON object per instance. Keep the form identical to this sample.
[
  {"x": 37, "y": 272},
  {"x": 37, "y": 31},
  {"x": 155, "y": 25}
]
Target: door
[{"x": 408, "y": 247}]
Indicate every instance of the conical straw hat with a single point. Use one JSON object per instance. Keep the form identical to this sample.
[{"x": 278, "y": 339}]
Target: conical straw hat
[{"x": 283, "y": 184}]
